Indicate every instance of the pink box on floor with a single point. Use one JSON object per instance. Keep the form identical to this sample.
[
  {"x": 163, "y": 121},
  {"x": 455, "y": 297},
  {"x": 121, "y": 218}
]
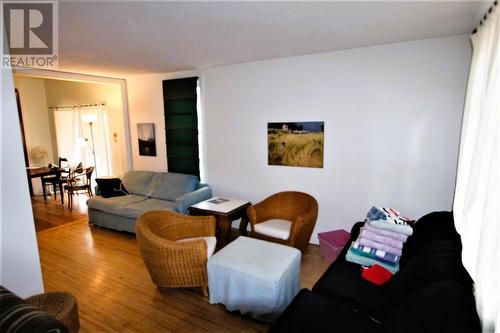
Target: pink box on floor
[{"x": 332, "y": 242}]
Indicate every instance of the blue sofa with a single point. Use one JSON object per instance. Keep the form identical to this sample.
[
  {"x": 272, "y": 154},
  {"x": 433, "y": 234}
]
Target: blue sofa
[{"x": 148, "y": 190}]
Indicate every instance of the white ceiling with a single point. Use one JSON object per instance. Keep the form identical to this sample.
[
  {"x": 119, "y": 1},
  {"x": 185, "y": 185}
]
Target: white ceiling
[{"x": 120, "y": 38}]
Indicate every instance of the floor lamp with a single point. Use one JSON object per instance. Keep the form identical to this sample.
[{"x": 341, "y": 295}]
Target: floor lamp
[{"x": 91, "y": 118}]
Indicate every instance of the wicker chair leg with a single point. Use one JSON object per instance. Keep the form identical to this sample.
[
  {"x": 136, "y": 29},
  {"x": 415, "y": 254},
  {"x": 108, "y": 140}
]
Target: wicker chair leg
[{"x": 205, "y": 291}]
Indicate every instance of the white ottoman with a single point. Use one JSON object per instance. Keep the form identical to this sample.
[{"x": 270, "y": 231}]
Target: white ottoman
[{"x": 253, "y": 276}]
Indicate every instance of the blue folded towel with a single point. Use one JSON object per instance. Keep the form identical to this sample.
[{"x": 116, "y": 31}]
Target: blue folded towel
[
  {"x": 383, "y": 256},
  {"x": 365, "y": 261}
]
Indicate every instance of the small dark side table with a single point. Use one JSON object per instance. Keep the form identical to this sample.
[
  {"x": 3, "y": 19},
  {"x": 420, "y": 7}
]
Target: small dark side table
[{"x": 225, "y": 210}]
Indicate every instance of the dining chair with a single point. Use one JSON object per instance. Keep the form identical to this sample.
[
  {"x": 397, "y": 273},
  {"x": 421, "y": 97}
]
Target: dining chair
[
  {"x": 64, "y": 167},
  {"x": 79, "y": 181},
  {"x": 54, "y": 180}
]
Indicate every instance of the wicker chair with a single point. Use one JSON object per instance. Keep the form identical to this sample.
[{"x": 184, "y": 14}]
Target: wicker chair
[
  {"x": 287, "y": 218},
  {"x": 172, "y": 257}
]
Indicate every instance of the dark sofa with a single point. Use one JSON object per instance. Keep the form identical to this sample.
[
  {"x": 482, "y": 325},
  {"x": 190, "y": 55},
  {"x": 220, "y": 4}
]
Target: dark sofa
[{"x": 432, "y": 292}]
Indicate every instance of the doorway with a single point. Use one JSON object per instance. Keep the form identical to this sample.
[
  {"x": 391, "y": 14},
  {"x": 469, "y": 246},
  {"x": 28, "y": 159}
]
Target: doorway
[{"x": 55, "y": 110}]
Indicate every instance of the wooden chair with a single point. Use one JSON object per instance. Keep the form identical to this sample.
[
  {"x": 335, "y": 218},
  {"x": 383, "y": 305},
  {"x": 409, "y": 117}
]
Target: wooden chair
[
  {"x": 79, "y": 182},
  {"x": 55, "y": 181},
  {"x": 64, "y": 167},
  {"x": 287, "y": 218},
  {"x": 176, "y": 247}
]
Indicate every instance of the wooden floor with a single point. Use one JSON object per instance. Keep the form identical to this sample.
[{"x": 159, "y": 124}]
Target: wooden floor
[
  {"x": 51, "y": 213},
  {"x": 105, "y": 272}
]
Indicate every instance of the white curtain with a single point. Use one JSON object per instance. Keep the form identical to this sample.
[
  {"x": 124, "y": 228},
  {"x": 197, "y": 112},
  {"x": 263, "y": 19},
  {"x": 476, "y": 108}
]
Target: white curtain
[
  {"x": 477, "y": 194},
  {"x": 74, "y": 138}
]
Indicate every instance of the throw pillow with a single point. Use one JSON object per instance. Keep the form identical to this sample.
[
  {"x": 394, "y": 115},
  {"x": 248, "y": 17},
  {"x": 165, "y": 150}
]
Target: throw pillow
[{"x": 111, "y": 187}]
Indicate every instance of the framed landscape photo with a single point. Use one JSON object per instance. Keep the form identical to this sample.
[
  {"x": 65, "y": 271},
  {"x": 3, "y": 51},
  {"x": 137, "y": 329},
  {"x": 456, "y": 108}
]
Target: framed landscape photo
[
  {"x": 297, "y": 144},
  {"x": 147, "y": 141}
]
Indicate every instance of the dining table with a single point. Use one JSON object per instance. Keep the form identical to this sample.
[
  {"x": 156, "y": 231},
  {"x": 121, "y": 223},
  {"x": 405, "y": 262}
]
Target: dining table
[{"x": 39, "y": 172}]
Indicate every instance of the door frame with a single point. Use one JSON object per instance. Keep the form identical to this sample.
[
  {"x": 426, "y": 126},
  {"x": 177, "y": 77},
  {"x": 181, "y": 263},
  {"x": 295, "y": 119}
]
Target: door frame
[{"x": 67, "y": 76}]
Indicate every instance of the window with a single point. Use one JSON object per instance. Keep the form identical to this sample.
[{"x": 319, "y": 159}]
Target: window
[{"x": 82, "y": 133}]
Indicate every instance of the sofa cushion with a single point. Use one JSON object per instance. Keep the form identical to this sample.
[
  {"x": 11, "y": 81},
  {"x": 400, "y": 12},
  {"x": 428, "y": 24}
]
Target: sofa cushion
[
  {"x": 131, "y": 206},
  {"x": 113, "y": 204},
  {"x": 311, "y": 312},
  {"x": 210, "y": 240},
  {"x": 134, "y": 210},
  {"x": 138, "y": 182},
  {"x": 430, "y": 228},
  {"x": 274, "y": 228},
  {"x": 431, "y": 254},
  {"x": 437, "y": 261},
  {"x": 343, "y": 281},
  {"x": 111, "y": 187},
  {"x": 170, "y": 186},
  {"x": 444, "y": 306}
]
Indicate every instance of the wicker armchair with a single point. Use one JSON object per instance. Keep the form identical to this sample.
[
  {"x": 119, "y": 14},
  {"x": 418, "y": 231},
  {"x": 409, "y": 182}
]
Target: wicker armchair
[
  {"x": 287, "y": 218},
  {"x": 172, "y": 258}
]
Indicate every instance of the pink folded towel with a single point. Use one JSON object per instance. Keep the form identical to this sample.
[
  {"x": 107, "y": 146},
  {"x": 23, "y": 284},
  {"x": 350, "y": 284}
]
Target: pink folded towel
[
  {"x": 367, "y": 234},
  {"x": 387, "y": 233},
  {"x": 379, "y": 246}
]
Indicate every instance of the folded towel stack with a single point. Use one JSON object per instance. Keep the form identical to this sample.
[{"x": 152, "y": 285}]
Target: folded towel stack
[{"x": 381, "y": 239}]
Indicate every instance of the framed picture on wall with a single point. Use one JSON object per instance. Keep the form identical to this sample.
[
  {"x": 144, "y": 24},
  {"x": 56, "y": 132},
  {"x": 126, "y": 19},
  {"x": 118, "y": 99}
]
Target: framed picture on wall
[
  {"x": 297, "y": 144},
  {"x": 147, "y": 141}
]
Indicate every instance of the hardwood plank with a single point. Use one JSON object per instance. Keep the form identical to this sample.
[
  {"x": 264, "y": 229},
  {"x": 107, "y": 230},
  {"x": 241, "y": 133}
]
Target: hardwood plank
[
  {"x": 51, "y": 213},
  {"x": 105, "y": 272}
]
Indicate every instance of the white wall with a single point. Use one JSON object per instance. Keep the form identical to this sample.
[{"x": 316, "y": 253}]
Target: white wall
[
  {"x": 145, "y": 93},
  {"x": 38, "y": 123},
  {"x": 38, "y": 126},
  {"x": 20, "y": 263},
  {"x": 392, "y": 118},
  {"x": 146, "y": 106}
]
